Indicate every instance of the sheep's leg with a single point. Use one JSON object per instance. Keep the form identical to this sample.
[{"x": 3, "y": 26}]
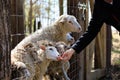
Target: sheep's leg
[
  {"x": 26, "y": 73},
  {"x": 21, "y": 70},
  {"x": 64, "y": 72}
]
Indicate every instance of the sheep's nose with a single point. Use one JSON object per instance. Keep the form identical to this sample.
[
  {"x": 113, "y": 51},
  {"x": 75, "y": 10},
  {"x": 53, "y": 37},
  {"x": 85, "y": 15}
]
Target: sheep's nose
[
  {"x": 72, "y": 39},
  {"x": 80, "y": 29}
]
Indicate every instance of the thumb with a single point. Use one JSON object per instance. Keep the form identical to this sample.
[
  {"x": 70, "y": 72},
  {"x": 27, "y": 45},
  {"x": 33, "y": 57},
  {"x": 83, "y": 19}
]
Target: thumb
[
  {"x": 59, "y": 58},
  {"x": 64, "y": 54}
]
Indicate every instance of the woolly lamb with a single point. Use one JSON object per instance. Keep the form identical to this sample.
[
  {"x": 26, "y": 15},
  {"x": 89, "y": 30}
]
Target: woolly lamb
[
  {"x": 22, "y": 54},
  {"x": 44, "y": 54},
  {"x": 59, "y": 72},
  {"x": 55, "y": 32}
]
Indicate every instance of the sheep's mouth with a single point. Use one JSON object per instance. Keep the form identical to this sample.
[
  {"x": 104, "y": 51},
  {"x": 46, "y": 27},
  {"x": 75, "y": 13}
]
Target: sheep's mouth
[
  {"x": 53, "y": 58},
  {"x": 79, "y": 30},
  {"x": 59, "y": 58}
]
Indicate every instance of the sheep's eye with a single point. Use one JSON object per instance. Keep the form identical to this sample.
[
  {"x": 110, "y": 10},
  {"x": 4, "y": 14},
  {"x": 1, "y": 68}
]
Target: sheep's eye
[
  {"x": 50, "y": 49},
  {"x": 65, "y": 47},
  {"x": 70, "y": 22}
]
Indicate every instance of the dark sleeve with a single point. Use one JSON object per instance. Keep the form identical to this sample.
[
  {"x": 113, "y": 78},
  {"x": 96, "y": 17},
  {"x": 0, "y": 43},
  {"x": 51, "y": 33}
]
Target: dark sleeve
[
  {"x": 93, "y": 29},
  {"x": 116, "y": 4}
]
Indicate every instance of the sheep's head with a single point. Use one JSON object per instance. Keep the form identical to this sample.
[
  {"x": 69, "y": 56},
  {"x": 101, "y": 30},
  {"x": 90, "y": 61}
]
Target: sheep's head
[
  {"x": 49, "y": 51},
  {"x": 69, "y": 38},
  {"x": 70, "y": 23},
  {"x": 61, "y": 46}
]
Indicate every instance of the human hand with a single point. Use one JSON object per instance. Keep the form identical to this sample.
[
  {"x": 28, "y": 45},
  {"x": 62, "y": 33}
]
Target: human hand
[{"x": 67, "y": 54}]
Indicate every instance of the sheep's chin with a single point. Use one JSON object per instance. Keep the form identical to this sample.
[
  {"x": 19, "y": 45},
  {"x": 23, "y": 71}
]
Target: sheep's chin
[{"x": 52, "y": 58}]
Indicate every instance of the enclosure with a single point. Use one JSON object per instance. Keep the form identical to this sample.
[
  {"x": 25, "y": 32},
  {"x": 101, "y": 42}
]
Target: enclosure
[{"x": 20, "y": 18}]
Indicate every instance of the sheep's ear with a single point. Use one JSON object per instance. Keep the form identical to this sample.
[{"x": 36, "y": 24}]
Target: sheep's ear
[
  {"x": 42, "y": 47},
  {"x": 62, "y": 20}
]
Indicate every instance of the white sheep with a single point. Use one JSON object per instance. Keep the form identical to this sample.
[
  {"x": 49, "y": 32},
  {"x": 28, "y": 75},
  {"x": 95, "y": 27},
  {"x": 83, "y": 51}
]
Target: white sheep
[
  {"x": 59, "y": 72},
  {"x": 23, "y": 55},
  {"x": 55, "y": 32},
  {"x": 45, "y": 53}
]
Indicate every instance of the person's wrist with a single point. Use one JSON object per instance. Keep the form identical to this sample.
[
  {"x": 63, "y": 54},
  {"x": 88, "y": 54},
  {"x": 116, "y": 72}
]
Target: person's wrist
[{"x": 72, "y": 50}]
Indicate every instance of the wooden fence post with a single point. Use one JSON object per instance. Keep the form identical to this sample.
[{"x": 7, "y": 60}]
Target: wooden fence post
[
  {"x": 17, "y": 21},
  {"x": 4, "y": 40}
]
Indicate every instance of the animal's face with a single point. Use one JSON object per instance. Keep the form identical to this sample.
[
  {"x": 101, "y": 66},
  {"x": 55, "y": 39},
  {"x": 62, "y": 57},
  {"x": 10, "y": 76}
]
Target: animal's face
[
  {"x": 51, "y": 53},
  {"x": 70, "y": 23},
  {"x": 61, "y": 47},
  {"x": 69, "y": 38},
  {"x": 48, "y": 50},
  {"x": 73, "y": 24}
]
